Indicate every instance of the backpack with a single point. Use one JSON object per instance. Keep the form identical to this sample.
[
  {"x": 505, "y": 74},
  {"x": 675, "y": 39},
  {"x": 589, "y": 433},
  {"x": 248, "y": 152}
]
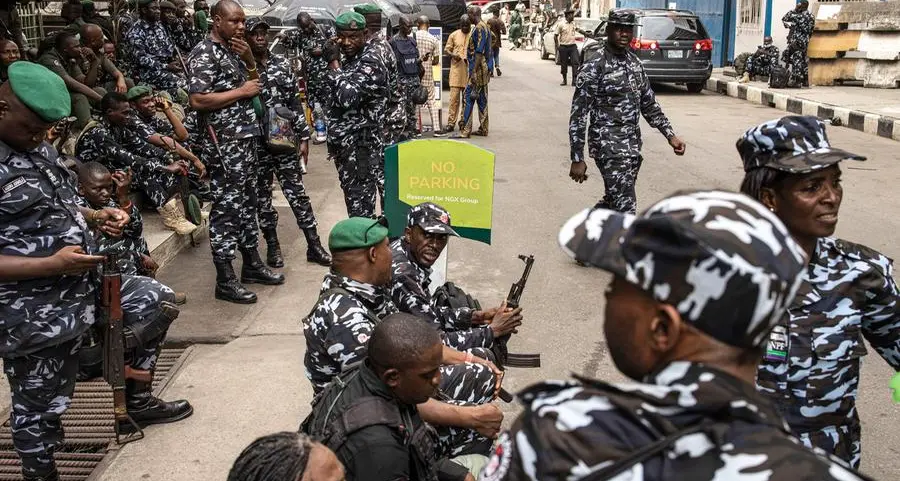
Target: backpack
[
  {"x": 407, "y": 54},
  {"x": 451, "y": 296},
  {"x": 779, "y": 76}
]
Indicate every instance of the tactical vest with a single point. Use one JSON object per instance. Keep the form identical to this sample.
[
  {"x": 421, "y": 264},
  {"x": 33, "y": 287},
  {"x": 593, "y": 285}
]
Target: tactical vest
[{"x": 333, "y": 429}]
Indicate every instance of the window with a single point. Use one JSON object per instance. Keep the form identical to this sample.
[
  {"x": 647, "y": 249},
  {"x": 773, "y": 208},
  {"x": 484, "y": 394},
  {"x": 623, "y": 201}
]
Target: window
[
  {"x": 672, "y": 28},
  {"x": 751, "y": 13}
]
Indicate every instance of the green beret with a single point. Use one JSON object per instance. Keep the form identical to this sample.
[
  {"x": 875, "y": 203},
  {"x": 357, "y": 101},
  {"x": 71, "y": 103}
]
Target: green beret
[
  {"x": 40, "y": 90},
  {"x": 138, "y": 91},
  {"x": 87, "y": 3},
  {"x": 356, "y": 233},
  {"x": 367, "y": 9},
  {"x": 350, "y": 21},
  {"x": 166, "y": 4}
]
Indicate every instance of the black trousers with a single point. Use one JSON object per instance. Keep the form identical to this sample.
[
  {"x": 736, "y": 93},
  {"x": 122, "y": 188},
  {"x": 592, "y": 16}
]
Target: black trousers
[{"x": 567, "y": 55}]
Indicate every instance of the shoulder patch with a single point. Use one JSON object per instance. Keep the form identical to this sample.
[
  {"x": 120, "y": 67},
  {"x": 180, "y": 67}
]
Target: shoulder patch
[{"x": 498, "y": 464}]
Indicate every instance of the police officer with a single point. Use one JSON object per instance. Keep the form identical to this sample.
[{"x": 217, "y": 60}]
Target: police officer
[
  {"x": 308, "y": 40},
  {"x": 223, "y": 83},
  {"x": 614, "y": 90},
  {"x": 370, "y": 419},
  {"x": 152, "y": 53},
  {"x": 278, "y": 89},
  {"x": 800, "y": 24},
  {"x": 688, "y": 316},
  {"x": 353, "y": 300},
  {"x": 360, "y": 87},
  {"x": 427, "y": 233},
  {"x": 761, "y": 62},
  {"x": 46, "y": 280},
  {"x": 849, "y": 289},
  {"x": 566, "y": 50},
  {"x": 408, "y": 66}
]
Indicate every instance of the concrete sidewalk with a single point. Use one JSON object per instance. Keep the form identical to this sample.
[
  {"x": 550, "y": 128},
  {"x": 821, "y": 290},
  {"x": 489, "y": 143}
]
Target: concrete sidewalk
[{"x": 874, "y": 111}]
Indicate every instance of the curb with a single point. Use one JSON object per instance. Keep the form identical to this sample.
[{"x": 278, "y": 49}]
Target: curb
[{"x": 880, "y": 125}]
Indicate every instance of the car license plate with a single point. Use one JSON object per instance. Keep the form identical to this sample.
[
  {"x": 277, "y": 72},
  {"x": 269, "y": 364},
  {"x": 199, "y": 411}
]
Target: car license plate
[{"x": 674, "y": 53}]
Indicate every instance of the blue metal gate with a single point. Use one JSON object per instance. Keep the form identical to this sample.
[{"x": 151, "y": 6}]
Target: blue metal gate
[{"x": 717, "y": 16}]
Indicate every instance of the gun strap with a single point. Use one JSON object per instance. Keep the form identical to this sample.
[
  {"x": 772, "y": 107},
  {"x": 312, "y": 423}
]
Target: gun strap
[{"x": 523, "y": 360}]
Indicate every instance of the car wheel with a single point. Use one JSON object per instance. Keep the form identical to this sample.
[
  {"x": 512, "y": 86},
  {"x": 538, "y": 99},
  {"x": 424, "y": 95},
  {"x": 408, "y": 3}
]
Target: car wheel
[
  {"x": 544, "y": 54},
  {"x": 695, "y": 87}
]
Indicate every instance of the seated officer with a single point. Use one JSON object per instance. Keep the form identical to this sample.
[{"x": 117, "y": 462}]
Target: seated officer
[
  {"x": 99, "y": 70},
  {"x": 370, "y": 419},
  {"x": 151, "y": 136},
  {"x": 700, "y": 279},
  {"x": 426, "y": 235},
  {"x": 353, "y": 301},
  {"x": 63, "y": 59}
]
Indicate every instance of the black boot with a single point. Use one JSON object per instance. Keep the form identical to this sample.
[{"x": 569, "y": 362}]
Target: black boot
[
  {"x": 314, "y": 250},
  {"x": 227, "y": 286},
  {"x": 254, "y": 271},
  {"x": 565, "y": 80},
  {"x": 54, "y": 476},
  {"x": 273, "y": 249},
  {"x": 146, "y": 409}
]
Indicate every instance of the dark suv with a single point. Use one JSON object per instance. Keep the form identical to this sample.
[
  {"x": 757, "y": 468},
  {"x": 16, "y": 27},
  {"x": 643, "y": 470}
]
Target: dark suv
[{"x": 672, "y": 44}]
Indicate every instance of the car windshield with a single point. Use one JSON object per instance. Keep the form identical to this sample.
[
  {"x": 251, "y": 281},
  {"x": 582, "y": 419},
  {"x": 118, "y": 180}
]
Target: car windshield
[
  {"x": 587, "y": 24},
  {"x": 672, "y": 28}
]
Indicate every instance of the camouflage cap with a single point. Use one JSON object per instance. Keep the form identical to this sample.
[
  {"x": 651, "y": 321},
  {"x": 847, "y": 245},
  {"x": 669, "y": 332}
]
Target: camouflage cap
[
  {"x": 622, "y": 17},
  {"x": 431, "y": 218},
  {"x": 255, "y": 22},
  {"x": 727, "y": 264},
  {"x": 796, "y": 144},
  {"x": 350, "y": 21}
]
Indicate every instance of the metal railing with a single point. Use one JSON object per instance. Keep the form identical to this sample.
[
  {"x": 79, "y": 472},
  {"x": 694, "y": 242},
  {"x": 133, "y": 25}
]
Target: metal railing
[{"x": 32, "y": 19}]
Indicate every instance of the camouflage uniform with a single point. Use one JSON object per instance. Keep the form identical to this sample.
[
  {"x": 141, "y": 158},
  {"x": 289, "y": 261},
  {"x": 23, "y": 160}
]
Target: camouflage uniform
[
  {"x": 801, "y": 25},
  {"x": 337, "y": 332},
  {"x": 279, "y": 89},
  {"x": 760, "y": 63},
  {"x": 132, "y": 239},
  {"x": 183, "y": 35},
  {"x": 317, "y": 85},
  {"x": 150, "y": 50},
  {"x": 411, "y": 293},
  {"x": 731, "y": 269},
  {"x": 408, "y": 85},
  {"x": 391, "y": 117},
  {"x": 360, "y": 89},
  {"x": 614, "y": 91},
  {"x": 232, "y": 167},
  {"x": 118, "y": 149},
  {"x": 849, "y": 290}
]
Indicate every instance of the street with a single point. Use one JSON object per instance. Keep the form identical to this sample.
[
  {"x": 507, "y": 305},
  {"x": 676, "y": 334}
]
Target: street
[{"x": 247, "y": 379}]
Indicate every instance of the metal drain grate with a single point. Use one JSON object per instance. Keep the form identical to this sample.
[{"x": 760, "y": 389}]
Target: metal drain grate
[{"x": 88, "y": 425}]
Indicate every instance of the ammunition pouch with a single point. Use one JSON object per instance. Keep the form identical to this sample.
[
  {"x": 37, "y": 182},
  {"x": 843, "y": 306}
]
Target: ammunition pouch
[{"x": 152, "y": 327}]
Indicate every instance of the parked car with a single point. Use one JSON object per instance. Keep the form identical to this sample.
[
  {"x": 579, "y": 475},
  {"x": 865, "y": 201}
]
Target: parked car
[
  {"x": 673, "y": 45},
  {"x": 548, "y": 43}
]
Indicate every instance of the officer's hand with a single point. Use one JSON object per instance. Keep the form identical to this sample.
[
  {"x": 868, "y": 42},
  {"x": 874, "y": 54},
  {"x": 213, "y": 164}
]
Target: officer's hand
[
  {"x": 506, "y": 320},
  {"x": 149, "y": 264},
  {"x": 242, "y": 49},
  {"x": 678, "y": 145},
  {"x": 112, "y": 221},
  {"x": 71, "y": 260},
  {"x": 250, "y": 88},
  {"x": 480, "y": 318},
  {"x": 485, "y": 419},
  {"x": 331, "y": 52},
  {"x": 578, "y": 172},
  {"x": 498, "y": 374},
  {"x": 122, "y": 180},
  {"x": 175, "y": 168}
]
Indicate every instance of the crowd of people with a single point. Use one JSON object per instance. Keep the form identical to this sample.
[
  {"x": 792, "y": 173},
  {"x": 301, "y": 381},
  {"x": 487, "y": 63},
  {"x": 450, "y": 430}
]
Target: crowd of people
[{"x": 737, "y": 315}]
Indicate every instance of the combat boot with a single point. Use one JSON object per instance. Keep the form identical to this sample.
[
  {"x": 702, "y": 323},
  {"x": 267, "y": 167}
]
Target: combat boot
[
  {"x": 745, "y": 78},
  {"x": 274, "y": 258},
  {"x": 54, "y": 476},
  {"x": 174, "y": 219},
  {"x": 227, "y": 286},
  {"x": 314, "y": 250},
  {"x": 146, "y": 409},
  {"x": 254, "y": 271}
]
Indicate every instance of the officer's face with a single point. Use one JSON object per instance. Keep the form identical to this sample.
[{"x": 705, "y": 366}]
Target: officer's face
[
  {"x": 20, "y": 128},
  {"x": 405, "y": 26},
  {"x": 145, "y": 106},
  {"x": 322, "y": 465},
  {"x": 71, "y": 48},
  {"x": 808, "y": 204},
  {"x": 151, "y": 12},
  {"x": 620, "y": 36},
  {"x": 418, "y": 381},
  {"x": 97, "y": 189},
  {"x": 109, "y": 50},
  {"x": 230, "y": 24},
  {"x": 168, "y": 15},
  {"x": 119, "y": 114},
  {"x": 9, "y": 52},
  {"x": 628, "y": 316},
  {"x": 425, "y": 246},
  {"x": 351, "y": 41},
  {"x": 305, "y": 22},
  {"x": 93, "y": 40},
  {"x": 258, "y": 41}
]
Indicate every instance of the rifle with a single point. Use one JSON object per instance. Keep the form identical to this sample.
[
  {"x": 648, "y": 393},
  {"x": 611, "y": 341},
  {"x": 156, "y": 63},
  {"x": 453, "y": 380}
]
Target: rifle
[
  {"x": 115, "y": 372},
  {"x": 504, "y": 357}
]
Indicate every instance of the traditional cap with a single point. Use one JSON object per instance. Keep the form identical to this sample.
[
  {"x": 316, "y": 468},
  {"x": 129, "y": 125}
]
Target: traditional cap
[
  {"x": 795, "y": 144},
  {"x": 40, "y": 90},
  {"x": 166, "y": 4},
  {"x": 367, "y": 9},
  {"x": 350, "y": 21},
  {"x": 254, "y": 22},
  {"x": 728, "y": 265},
  {"x": 622, "y": 17},
  {"x": 431, "y": 218},
  {"x": 357, "y": 233},
  {"x": 138, "y": 91}
]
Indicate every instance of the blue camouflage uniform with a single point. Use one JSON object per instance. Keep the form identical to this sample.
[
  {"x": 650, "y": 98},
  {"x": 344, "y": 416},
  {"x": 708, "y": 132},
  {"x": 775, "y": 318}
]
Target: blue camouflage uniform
[
  {"x": 731, "y": 269},
  {"x": 761, "y": 62},
  {"x": 800, "y": 25},
  {"x": 315, "y": 67},
  {"x": 613, "y": 90},
  {"x": 150, "y": 50}
]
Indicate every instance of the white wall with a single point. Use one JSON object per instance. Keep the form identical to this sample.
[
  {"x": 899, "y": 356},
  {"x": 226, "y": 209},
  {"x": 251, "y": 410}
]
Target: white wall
[
  {"x": 599, "y": 8},
  {"x": 747, "y": 39}
]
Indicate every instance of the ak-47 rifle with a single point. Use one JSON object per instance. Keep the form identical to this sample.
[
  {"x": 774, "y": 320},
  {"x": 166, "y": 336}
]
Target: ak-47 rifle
[
  {"x": 504, "y": 357},
  {"x": 114, "y": 369}
]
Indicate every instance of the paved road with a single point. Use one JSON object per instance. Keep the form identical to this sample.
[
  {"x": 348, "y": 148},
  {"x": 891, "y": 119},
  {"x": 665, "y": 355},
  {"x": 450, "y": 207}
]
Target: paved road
[{"x": 255, "y": 384}]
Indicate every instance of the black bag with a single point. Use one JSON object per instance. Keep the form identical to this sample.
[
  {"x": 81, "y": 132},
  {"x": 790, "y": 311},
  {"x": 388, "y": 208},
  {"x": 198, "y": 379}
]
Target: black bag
[
  {"x": 407, "y": 56},
  {"x": 779, "y": 76},
  {"x": 420, "y": 96},
  {"x": 452, "y": 297}
]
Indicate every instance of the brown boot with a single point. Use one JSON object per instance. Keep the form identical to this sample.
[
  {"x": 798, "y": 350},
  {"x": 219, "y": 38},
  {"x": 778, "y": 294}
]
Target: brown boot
[{"x": 174, "y": 219}]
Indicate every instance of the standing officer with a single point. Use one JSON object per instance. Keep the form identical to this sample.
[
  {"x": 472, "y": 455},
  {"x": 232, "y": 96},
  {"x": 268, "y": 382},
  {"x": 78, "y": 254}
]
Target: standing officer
[
  {"x": 407, "y": 53},
  {"x": 566, "y": 50},
  {"x": 800, "y": 24},
  {"x": 222, "y": 92},
  {"x": 614, "y": 90},
  {"x": 278, "y": 89},
  {"x": 152, "y": 53},
  {"x": 360, "y": 88},
  {"x": 308, "y": 41},
  {"x": 688, "y": 316},
  {"x": 480, "y": 63}
]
